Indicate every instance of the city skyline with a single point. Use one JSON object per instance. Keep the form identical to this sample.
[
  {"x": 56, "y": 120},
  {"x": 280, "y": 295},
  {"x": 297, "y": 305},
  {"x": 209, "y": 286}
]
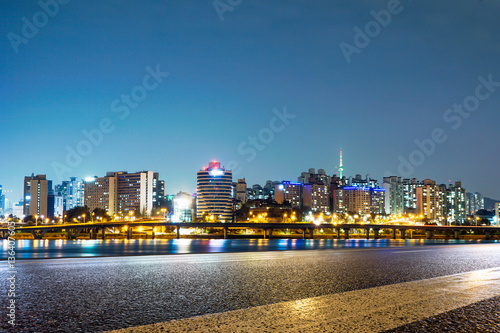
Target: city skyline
[
  {"x": 227, "y": 80},
  {"x": 192, "y": 187}
]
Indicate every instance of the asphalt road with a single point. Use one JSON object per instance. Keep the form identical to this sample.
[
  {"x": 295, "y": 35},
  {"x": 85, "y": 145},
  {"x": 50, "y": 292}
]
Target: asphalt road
[{"x": 98, "y": 294}]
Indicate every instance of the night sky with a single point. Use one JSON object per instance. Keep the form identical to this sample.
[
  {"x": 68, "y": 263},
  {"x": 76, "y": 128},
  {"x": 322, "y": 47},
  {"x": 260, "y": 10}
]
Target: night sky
[{"x": 225, "y": 78}]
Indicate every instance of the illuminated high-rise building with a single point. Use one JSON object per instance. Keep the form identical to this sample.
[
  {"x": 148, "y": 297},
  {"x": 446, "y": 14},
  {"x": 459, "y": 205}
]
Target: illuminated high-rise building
[
  {"x": 121, "y": 193},
  {"x": 290, "y": 192},
  {"x": 135, "y": 192},
  {"x": 430, "y": 200},
  {"x": 359, "y": 200},
  {"x": 36, "y": 196},
  {"x": 158, "y": 191},
  {"x": 455, "y": 208},
  {"x": 394, "y": 195},
  {"x": 101, "y": 192},
  {"x": 410, "y": 195},
  {"x": 72, "y": 193},
  {"x": 475, "y": 202},
  {"x": 316, "y": 196},
  {"x": 214, "y": 193}
]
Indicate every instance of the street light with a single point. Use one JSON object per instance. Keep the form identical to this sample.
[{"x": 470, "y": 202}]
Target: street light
[
  {"x": 83, "y": 218},
  {"x": 36, "y": 220}
]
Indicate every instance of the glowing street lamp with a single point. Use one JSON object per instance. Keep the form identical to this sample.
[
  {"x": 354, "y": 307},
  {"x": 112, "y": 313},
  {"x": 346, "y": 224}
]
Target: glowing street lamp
[{"x": 36, "y": 220}]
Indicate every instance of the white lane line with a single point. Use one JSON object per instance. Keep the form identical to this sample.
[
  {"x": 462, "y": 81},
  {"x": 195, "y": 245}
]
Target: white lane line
[
  {"x": 411, "y": 251},
  {"x": 369, "y": 310}
]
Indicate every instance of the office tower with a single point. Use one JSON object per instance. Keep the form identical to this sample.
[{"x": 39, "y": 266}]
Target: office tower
[
  {"x": 290, "y": 192},
  {"x": 241, "y": 190},
  {"x": 394, "y": 195},
  {"x": 214, "y": 193},
  {"x": 158, "y": 191},
  {"x": 430, "y": 200},
  {"x": 134, "y": 192},
  {"x": 475, "y": 202},
  {"x": 36, "y": 196},
  {"x": 72, "y": 193}
]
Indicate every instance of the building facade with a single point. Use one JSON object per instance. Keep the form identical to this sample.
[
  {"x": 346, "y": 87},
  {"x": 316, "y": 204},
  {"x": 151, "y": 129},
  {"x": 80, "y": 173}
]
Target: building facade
[
  {"x": 135, "y": 192},
  {"x": 36, "y": 196},
  {"x": 316, "y": 197},
  {"x": 497, "y": 212},
  {"x": 475, "y": 202},
  {"x": 241, "y": 190},
  {"x": 158, "y": 191},
  {"x": 312, "y": 177},
  {"x": 72, "y": 193},
  {"x": 290, "y": 192},
  {"x": 410, "y": 195},
  {"x": 394, "y": 195},
  {"x": 456, "y": 204},
  {"x": 101, "y": 192},
  {"x": 430, "y": 200}
]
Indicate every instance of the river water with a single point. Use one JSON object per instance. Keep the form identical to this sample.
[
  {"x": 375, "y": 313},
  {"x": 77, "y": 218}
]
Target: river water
[{"x": 45, "y": 249}]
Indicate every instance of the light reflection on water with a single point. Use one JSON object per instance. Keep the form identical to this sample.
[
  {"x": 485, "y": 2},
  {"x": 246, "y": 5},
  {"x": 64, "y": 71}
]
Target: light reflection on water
[{"x": 32, "y": 249}]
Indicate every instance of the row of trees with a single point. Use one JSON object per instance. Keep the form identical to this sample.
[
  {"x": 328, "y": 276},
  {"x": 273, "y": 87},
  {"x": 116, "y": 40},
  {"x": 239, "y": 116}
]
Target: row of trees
[{"x": 79, "y": 214}]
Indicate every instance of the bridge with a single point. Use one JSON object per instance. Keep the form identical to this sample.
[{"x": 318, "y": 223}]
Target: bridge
[{"x": 404, "y": 231}]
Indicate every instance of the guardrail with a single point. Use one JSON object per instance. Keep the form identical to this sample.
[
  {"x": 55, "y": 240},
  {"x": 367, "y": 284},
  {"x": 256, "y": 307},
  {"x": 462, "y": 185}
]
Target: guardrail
[{"x": 73, "y": 230}]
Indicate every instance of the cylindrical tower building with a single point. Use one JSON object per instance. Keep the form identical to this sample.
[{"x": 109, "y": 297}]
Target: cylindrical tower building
[{"x": 214, "y": 193}]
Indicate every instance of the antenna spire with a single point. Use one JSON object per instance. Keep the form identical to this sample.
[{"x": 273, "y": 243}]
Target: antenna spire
[{"x": 341, "y": 167}]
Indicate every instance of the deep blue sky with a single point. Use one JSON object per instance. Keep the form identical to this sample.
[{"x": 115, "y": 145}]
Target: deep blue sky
[{"x": 227, "y": 76}]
